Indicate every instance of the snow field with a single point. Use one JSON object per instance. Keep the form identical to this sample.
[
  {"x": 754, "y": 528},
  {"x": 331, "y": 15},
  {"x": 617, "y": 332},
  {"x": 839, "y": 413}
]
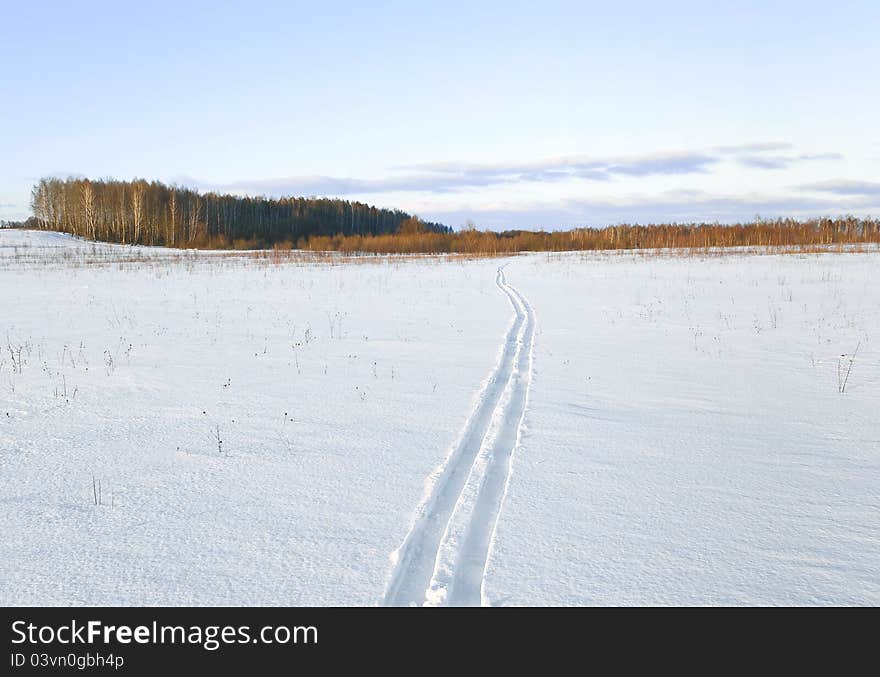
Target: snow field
[
  {"x": 549, "y": 429},
  {"x": 336, "y": 391},
  {"x": 686, "y": 441}
]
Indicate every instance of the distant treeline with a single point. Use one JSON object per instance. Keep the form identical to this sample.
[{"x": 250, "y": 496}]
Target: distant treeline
[
  {"x": 759, "y": 233},
  {"x": 156, "y": 214},
  {"x": 151, "y": 213}
]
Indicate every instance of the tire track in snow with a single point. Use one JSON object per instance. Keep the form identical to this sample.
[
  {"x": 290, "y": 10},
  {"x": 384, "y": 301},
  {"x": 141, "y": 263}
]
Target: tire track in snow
[{"x": 443, "y": 558}]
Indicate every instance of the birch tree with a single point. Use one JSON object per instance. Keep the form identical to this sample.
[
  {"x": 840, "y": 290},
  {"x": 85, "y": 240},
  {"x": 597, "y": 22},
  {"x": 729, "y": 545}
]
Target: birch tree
[{"x": 137, "y": 210}]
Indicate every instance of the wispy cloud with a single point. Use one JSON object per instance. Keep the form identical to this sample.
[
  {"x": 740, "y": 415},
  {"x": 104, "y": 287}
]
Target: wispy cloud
[
  {"x": 784, "y": 161},
  {"x": 673, "y": 164},
  {"x": 764, "y": 162},
  {"x": 449, "y": 177},
  {"x": 844, "y": 188},
  {"x": 330, "y": 185},
  {"x": 678, "y": 206},
  {"x": 766, "y": 147},
  {"x": 569, "y": 167}
]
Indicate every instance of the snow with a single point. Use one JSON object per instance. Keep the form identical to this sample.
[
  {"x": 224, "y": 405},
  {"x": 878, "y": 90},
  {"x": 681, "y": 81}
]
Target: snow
[
  {"x": 686, "y": 442},
  {"x": 444, "y": 557},
  {"x": 302, "y": 511},
  {"x": 581, "y": 429}
]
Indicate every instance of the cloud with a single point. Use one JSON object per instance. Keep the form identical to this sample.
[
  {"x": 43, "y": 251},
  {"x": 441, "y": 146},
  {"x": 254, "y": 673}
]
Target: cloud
[
  {"x": 682, "y": 163},
  {"x": 844, "y": 188},
  {"x": 573, "y": 166},
  {"x": 755, "y": 147},
  {"x": 449, "y": 177},
  {"x": 680, "y": 206},
  {"x": 329, "y": 185},
  {"x": 820, "y": 156},
  {"x": 784, "y": 162},
  {"x": 759, "y": 162}
]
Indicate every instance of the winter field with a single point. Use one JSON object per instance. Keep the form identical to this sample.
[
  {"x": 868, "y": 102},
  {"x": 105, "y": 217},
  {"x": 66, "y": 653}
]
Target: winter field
[{"x": 181, "y": 428}]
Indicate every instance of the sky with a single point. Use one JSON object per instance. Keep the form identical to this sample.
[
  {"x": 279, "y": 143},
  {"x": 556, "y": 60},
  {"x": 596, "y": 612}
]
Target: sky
[{"x": 505, "y": 114}]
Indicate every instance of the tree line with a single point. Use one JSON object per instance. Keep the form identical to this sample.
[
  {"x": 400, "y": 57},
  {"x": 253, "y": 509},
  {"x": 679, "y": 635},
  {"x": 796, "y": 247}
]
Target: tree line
[
  {"x": 138, "y": 212},
  {"x": 758, "y": 233},
  {"x": 152, "y": 213}
]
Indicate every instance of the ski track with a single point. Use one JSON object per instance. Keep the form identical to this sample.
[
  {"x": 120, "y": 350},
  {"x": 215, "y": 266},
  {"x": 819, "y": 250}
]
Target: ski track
[{"x": 443, "y": 559}]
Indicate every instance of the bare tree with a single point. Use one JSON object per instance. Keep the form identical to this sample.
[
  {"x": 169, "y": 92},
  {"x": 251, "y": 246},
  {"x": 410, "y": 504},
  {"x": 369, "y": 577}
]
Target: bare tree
[
  {"x": 195, "y": 216},
  {"x": 137, "y": 209},
  {"x": 87, "y": 203},
  {"x": 121, "y": 215},
  {"x": 172, "y": 210}
]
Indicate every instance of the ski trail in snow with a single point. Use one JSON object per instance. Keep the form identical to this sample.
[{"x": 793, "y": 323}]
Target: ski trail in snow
[
  {"x": 444, "y": 556},
  {"x": 464, "y": 551}
]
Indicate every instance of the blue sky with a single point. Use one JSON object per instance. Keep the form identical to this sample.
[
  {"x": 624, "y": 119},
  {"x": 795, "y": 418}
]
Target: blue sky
[{"x": 509, "y": 114}]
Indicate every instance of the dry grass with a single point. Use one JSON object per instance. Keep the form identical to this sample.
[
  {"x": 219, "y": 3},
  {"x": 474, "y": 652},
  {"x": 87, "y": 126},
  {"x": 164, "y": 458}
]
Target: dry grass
[{"x": 83, "y": 253}]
